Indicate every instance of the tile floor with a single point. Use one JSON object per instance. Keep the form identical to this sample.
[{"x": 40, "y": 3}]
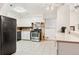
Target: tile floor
[{"x": 35, "y": 48}]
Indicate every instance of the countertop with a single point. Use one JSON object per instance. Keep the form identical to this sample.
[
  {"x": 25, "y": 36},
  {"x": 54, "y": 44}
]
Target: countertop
[{"x": 65, "y": 37}]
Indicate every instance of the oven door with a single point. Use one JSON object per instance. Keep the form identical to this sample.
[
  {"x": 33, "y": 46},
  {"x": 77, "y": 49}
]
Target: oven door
[{"x": 35, "y": 36}]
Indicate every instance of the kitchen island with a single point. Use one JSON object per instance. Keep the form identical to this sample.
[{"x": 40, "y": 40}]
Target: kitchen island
[{"x": 67, "y": 44}]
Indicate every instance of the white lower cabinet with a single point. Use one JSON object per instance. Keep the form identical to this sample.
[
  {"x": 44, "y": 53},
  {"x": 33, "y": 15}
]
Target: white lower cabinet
[
  {"x": 25, "y": 35},
  {"x": 68, "y": 48}
]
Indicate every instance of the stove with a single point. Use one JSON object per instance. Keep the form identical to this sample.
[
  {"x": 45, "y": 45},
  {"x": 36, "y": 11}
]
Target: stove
[{"x": 35, "y": 35}]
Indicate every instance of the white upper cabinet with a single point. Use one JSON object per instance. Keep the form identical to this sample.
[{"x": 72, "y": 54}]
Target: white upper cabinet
[{"x": 26, "y": 22}]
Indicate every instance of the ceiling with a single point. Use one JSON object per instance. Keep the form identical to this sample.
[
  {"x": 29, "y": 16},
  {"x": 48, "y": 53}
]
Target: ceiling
[
  {"x": 36, "y": 8},
  {"x": 31, "y": 8}
]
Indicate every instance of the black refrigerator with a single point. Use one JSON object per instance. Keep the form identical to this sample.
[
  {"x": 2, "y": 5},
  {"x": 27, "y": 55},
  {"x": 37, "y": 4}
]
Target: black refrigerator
[{"x": 7, "y": 35}]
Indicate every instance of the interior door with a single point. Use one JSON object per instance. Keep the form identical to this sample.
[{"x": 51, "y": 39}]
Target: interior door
[{"x": 9, "y": 35}]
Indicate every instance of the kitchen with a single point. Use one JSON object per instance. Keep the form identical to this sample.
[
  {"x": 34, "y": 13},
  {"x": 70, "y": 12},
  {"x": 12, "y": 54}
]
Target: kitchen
[{"x": 39, "y": 27}]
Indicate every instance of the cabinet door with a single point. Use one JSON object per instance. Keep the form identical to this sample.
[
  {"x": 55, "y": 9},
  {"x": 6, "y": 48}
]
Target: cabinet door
[
  {"x": 66, "y": 48},
  {"x": 26, "y": 35}
]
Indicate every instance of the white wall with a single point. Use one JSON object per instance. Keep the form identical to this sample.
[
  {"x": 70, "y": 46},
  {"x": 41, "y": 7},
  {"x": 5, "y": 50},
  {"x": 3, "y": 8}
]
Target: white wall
[
  {"x": 50, "y": 25},
  {"x": 67, "y": 16},
  {"x": 63, "y": 17},
  {"x": 74, "y": 19}
]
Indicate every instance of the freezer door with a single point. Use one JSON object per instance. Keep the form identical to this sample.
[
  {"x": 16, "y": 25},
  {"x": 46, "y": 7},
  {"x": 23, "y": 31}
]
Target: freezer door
[
  {"x": 9, "y": 35},
  {"x": 0, "y": 36}
]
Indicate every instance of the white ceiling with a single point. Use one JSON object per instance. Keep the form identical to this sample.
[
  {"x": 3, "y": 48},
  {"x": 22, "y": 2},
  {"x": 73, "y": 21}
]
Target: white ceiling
[
  {"x": 31, "y": 8},
  {"x": 36, "y": 8}
]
